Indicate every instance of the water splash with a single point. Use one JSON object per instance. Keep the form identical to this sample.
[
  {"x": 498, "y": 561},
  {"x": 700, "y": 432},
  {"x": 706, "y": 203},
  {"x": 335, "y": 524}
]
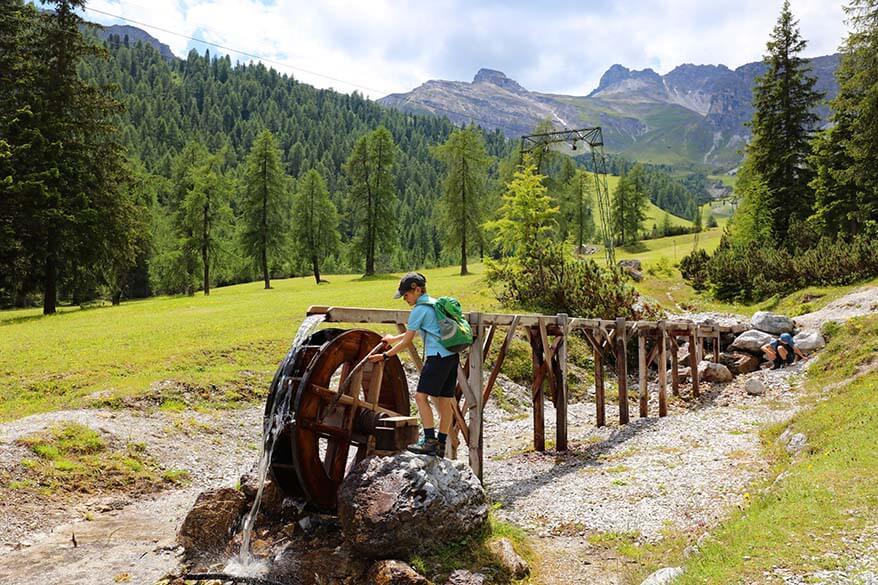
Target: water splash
[{"x": 245, "y": 565}]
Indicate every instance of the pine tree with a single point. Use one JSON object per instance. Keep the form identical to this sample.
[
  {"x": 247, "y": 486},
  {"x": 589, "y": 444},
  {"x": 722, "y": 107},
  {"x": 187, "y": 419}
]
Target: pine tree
[
  {"x": 464, "y": 189},
  {"x": 373, "y": 194},
  {"x": 184, "y": 257},
  {"x": 264, "y": 203},
  {"x": 315, "y": 231},
  {"x": 578, "y": 206},
  {"x": 628, "y": 206},
  {"x": 206, "y": 214},
  {"x": 783, "y": 120},
  {"x": 846, "y": 155}
]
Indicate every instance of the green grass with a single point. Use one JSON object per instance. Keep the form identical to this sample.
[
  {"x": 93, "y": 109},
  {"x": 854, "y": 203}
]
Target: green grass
[
  {"x": 825, "y": 495},
  {"x": 218, "y": 350}
]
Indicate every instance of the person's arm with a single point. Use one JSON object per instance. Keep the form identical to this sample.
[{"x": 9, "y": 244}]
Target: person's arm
[
  {"x": 397, "y": 343},
  {"x": 799, "y": 352}
]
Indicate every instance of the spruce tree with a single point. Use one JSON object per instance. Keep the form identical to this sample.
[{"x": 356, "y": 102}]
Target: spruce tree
[
  {"x": 464, "y": 190},
  {"x": 315, "y": 229},
  {"x": 628, "y": 206},
  {"x": 373, "y": 194},
  {"x": 264, "y": 203},
  {"x": 578, "y": 205},
  {"x": 783, "y": 120},
  {"x": 846, "y": 155}
]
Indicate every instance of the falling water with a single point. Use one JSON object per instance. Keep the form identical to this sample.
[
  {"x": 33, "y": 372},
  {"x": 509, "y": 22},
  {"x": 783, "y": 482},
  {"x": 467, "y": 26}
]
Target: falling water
[{"x": 245, "y": 564}]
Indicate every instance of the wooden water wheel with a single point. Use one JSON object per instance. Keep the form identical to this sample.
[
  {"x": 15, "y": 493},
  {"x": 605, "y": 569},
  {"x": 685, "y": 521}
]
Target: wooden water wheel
[{"x": 333, "y": 414}]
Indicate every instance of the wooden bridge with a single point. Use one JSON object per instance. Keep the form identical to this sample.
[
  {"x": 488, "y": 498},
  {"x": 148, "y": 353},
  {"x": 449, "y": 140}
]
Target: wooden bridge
[{"x": 657, "y": 342}]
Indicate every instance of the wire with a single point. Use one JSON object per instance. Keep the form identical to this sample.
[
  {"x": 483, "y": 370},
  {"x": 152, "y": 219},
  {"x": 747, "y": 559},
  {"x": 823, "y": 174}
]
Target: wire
[{"x": 486, "y": 123}]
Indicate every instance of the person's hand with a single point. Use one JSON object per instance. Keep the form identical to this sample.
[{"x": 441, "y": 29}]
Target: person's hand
[
  {"x": 378, "y": 357},
  {"x": 389, "y": 338}
]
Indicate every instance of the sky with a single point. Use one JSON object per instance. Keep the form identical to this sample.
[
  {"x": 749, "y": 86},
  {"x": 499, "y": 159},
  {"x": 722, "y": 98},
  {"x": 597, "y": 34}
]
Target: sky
[{"x": 378, "y": 47}]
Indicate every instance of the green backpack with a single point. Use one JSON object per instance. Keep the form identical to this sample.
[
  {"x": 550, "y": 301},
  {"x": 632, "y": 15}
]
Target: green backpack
[{"x": 455, "y": 333}]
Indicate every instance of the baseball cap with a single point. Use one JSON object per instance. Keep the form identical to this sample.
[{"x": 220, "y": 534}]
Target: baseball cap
[
  {"x": 410, "y": 281},
  {"x": 786, "y": 338}
]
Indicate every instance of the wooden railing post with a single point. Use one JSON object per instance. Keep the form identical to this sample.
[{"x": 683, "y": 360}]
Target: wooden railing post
[
  {"x": 620, "y": 339},
  {"x": 663, "y": 368},
  {"x": 693, "y": 361},
  {"x": 537, "y": 397},
  {"x": 599, "y": 398},
  {"x": 561, "y": 387},
  {"x": 642, "y": 374},
  {"x": 476, "y": 438}
]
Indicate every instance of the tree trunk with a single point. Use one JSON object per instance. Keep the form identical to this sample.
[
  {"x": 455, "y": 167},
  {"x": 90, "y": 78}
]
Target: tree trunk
[
  {"x": 265, "y": 268},
  {"x": 116, "y": 299},
  {"x": 50, "y": 282},
  {"x": 315, "y": 266},
  {"x": 205, "y": 259}
]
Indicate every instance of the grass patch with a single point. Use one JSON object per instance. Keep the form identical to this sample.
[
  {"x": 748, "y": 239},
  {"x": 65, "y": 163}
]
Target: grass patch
[
  {"x": 474, "y": 554},
  {"x": 71, "y": 457}
]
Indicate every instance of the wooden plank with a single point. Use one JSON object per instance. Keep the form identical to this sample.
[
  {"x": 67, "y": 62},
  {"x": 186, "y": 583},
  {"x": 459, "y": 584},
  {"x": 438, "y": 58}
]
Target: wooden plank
[
  {"x": 663, "y": 370},
  {"x": 476, "y": 436},
  {"x": 547, "y": 353},
  {"x": 642, "y": 372},
  {"x": 490, "y": 339},
  {"x": 693, "y": 365},
  {"x": 538, "y": 400},
  {"x": 675, "y": 365},
  {"x": 413, "y": 351},
  {"x": 375, "y": 380},
  {"x": 350, "y": 401},
  {"x": 561, "y": 389},
  {"x": 716, "y": 347},
  {"x": 501, "y": 357},
  {"x": 599, "y": 397},
  {"x": 622, "y": 369}
]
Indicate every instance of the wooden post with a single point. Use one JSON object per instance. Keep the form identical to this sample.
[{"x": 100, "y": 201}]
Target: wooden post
[
  {"x": 693, "y": 363},
  {"x": 622, "y": 369},
  {"x": 476, "y": 437},
  {"x": 599, "y": 398},
  {"x": 642, "y": 374},
  {"x": 501, "y": 357},
  {"x": 561, "y": 387},
  {"x": 716, "y": 345},
  {"x": 413, "y": 351},
  {"x": 537, "y": 397},
  {"x": 675, "y": 364},
  {"x": 663, "y": 369}
]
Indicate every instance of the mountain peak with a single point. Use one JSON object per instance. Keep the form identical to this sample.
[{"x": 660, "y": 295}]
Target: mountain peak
[{"x": 497, "y": 78}]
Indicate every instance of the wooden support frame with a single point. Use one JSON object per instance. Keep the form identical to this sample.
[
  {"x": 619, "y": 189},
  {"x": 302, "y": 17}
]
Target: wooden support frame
[{"x": 620, "y": 341}]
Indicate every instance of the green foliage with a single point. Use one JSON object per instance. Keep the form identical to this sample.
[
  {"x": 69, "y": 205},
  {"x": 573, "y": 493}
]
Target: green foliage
[
  {"x": 463, "y": 205},
  {"x": 264, "y": 203},
  {"x": 315, "y": 230},
  {"x": 629, "y": 206},
  {"x": 695, "y": 269},
  {"x": 846, "y": 155},
  {"x": 373, "y": 194},
  {"x": 783, "y": 119},
  {"x": 577, "y": 207}
]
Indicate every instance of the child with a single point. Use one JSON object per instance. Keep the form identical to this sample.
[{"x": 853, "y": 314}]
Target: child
[{"x": 439, "y": 375}]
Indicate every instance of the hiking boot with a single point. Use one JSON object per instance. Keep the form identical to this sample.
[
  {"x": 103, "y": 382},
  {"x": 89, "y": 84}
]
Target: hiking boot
[{"x": 427, "y": 447}]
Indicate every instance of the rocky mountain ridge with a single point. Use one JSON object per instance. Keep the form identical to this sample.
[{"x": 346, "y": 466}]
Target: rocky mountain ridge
[{"x": 693, "y": 114}]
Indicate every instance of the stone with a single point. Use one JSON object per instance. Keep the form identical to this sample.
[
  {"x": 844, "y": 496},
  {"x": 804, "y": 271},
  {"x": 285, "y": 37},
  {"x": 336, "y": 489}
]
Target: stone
[
  {"x": 754, "y": 387},
  {"x": 752, "y": 341},
  {"x": 211, "y": 520},
  {"x": 739, "y": 362},
  {"x": 663, "y": 576},
  {"x": 407, "y": 504},
  {"x": 770, "y": 323},
  {"x": 394, "y": 573},
  {"x": 809, "y": 341},
  {"x": 510, "y": 560},
  {"x": 798, "y": 441},
  {"x": 462, "y": 577},
  {"x": 711, "y": 372},
  {"x": 630, "y": 263}
]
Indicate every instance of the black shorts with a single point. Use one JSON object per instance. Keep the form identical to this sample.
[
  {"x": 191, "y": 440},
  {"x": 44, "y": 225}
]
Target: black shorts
[{"x": 439, "y": 376}]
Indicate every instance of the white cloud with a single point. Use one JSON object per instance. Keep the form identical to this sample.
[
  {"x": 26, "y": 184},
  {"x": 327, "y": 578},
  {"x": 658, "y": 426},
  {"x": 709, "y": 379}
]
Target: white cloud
[{"x": 385, "y": 46}]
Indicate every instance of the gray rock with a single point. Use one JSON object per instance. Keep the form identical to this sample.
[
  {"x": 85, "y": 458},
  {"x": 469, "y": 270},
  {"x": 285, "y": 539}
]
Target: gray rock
[
  {"x": 754, "y": 387},
  {"x": 663, "y": 576},
  {"x": 798, "y": 441},
  {"x": 711, "y": 372},
  {"x": 461, "y": 577},
  {"x": 210, "y": 522},
  {"x": 510, "y": 560},
  {"x": 739, "y": 362},
  {"x": 394, "y": 573},
  {"x": 809, "y": 341},
  {"x": 752, "y": 341},
  {"x": 404, "y": 504},
  {"x": 630, "y": 263},
  {"x": 770, "y": 323}
]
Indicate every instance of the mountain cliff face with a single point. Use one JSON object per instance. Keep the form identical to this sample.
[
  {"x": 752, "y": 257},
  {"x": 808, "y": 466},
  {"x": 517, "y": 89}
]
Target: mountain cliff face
[
  {"x": 134, "y": 35},
  {"x": 695, "y": 113}
]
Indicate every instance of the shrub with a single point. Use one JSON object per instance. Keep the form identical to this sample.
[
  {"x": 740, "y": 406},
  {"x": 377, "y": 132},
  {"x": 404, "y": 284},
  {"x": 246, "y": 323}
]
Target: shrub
[
  {"x": 694, "y": 269},
  {"x": 661, "y": 267}
]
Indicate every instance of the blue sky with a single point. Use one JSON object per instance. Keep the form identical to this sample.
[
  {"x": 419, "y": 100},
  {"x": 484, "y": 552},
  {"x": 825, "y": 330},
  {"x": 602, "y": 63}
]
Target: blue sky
[{"x": 379, "y": 47}]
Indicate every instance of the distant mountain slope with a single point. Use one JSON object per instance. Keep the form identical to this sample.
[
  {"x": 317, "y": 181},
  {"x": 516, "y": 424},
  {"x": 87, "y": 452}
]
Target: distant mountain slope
[
  {"x": 695, "y": 113},
  {"x": 134, "y": 34}
]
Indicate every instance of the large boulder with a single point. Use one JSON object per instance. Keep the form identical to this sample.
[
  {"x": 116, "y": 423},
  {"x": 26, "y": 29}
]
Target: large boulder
[
  {"x": 770, "y": 323},
  {"x": 632, "y": 268},
  {"x": 711, "y": 372},
  {"x": 210, "y": 522},
  {"x": 809, "y": 341},
  {"x": 406, "y": 504},
  {"x": 394, "y": 573},
  {"x": 751, "y": 341},
  {"x": 739, "y": 362},
  {"x": 663, "y": 576}
]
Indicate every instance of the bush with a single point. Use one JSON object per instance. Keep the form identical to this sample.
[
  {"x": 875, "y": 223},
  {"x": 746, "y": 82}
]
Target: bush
[
  {"x": 694, "y": 269},
  {"x": 661, "y": 267}
]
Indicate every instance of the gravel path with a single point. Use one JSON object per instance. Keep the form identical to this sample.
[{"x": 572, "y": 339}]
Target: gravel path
[{"x": 856, "y": 304}]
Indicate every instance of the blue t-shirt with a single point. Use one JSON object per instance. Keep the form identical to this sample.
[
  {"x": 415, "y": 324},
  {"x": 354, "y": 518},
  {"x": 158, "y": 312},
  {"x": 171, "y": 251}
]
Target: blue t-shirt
[{"x": 423, "y": 319}]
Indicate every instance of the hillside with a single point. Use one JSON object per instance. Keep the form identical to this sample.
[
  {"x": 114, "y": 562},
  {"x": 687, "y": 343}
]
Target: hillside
[{"x": 693, "y": 114}]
